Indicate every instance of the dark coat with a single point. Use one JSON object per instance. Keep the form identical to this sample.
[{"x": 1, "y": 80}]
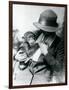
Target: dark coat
[
  {"x": 53, "y": 61},
  {"x": 42, "y": 71}
]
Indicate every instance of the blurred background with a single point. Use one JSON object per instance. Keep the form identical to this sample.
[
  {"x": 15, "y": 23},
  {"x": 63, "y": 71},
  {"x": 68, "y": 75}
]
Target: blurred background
[{"x": 25, "y": 15}]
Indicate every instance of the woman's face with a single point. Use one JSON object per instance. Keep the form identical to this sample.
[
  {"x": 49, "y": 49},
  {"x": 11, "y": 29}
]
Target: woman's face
[{"x": 45, "y": 33}]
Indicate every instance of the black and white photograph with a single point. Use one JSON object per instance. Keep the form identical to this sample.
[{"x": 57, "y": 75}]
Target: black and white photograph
[{"x": 37, "y": 44}]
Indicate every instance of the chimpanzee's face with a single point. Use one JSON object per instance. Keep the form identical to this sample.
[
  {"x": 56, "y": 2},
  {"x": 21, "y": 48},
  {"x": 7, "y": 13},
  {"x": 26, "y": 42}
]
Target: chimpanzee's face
[{"x": 31, "y": 40}]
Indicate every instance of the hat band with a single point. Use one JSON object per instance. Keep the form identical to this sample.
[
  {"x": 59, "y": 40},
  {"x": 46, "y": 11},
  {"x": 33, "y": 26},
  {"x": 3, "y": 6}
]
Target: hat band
[{"x": 51, "y": 23}]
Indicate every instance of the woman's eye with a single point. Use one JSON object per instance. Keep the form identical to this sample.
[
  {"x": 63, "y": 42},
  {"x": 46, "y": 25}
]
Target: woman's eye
[{"x": 21, "y": 52}]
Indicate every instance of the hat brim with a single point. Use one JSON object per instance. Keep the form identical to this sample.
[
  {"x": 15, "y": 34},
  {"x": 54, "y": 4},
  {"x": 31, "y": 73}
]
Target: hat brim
[{"x": 47, "y": 28}]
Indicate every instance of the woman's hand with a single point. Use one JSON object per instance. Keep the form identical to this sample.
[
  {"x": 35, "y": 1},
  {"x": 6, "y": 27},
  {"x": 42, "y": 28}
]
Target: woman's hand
[
  {"x": 42, "y": 45},
  {"x": 43, "y": 48}
]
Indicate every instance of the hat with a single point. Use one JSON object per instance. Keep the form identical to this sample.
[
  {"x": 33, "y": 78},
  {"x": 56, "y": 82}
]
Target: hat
[{"x": 47, "y": 21}]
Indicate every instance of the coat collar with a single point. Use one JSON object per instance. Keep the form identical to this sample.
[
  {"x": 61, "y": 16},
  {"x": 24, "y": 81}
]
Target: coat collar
[{"x": 55, "y": 42}]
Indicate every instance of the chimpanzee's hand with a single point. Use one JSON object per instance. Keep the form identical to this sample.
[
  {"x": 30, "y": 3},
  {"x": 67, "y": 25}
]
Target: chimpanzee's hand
[{"x": 21, "y": 56}]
